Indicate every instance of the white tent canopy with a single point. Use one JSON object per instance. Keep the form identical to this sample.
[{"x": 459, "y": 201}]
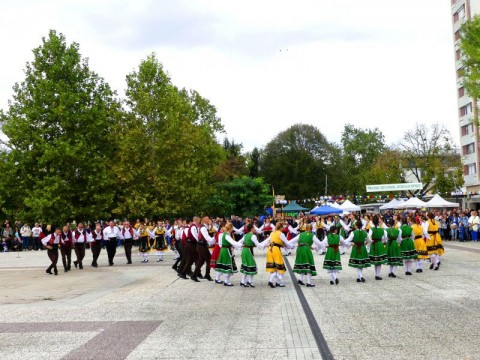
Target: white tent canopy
[
  {"x": 438, "y": 202},
  {"x": 334, "y": 205},
  {"x": 413, "y": 202},
  {"x": 349, "y": 206},
  {"x": 394, "y": 204}
]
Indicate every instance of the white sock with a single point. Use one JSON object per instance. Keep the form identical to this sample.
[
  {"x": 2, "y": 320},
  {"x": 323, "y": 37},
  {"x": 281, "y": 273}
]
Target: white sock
[
  {"x": 244, "y": 279},
  {"x": 227, "y": 279},
  {"x": 332, "y": 276},
  {"x": 359, "y": 273},
  {"x": 309, "y": 279},
  {"x": 394, "y": 269},
  {"x": 272, "y": 277},
  {"x": 217, "y": 276},
  {"x": 250, "y": 279},
  {"x": 378, "y": 270},
  {"x": 281, "y": 279}
]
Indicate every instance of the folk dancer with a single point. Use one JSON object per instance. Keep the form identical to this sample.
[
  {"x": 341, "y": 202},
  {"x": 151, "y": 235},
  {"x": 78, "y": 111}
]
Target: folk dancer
[
  {"x": 128, "y": 234},
  {"x": 111, "y": 233},
  {"x": 66, "y": 246},
  {"x": 407, "y": 246},
  {"x": 275, "y": 264},
  {"x": 96, "y": 245},
  {"x": 160, "y": 245},
  {"x": 226, "y": 262},
  {"x": 434, "y": 241},
  {"x": 216, "y": 252},
  {"x": 332, "y": 262},
  {"x": 420, "y": 241},
  {"x": 204, "y": 256},
  {"x": 80, "y": 238},
  {"x": 146, "y": 242},
  {"x": 359, "y": 258},
  {"x": 249, "y": 266},
  {"x": 191, "y": 254},
  {"x": 51, "y": 242},
  {"x": 394, "y": 255},
  {"x": 304, "y": 261},
  {"x": 378, "y": 255}
]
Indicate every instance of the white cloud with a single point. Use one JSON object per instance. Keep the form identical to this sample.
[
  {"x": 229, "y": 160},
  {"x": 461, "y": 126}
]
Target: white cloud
[{"x": 370, "y": 63}]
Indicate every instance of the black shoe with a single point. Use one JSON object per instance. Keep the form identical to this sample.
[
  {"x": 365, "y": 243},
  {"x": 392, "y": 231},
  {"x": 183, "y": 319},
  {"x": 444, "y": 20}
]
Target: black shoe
[
  {"x": 174, "y": 267},
  {"x": 69, "y": 267},
  {"x": 408, "y": 273},
  {"x": 378, "y": 278},
  {"x": 390, "y": 274},
  {"x": 362, "y": 279},
  {"x": 277, "y": 285},
  {"x": 421, "y": 270},
  {"x": 95, "y": 265},
  {"x": 80, "y": 266},
  {"x": 65, "y": 269},
  {"x": 358, "y": 280},
  {"x": 331, "y": 283},
  {"x": 200, "y": 276},
  {"x": 281, "y": 285},
  {"x": 194, "y": 278},
  {"x": 436, "y": 268},
  {"x": 218, "y": 282},
  {"x": 110, "y": 264},
  {"x": 183, "y": 276},
  {"x": 75, "y": 263},
  {"x": 271, "y": 285},
  {"x": 250, "y": 284},
  {"x": 418, "y": 270},
  {"x": 208, "y": 277},
  {"x": 49, "y": 271},
  {"x": 243, "y": 285},
  {"x": 431, "y": 267},
  {"x": 129, "y": 262},
  {"x": 310, "y": 285},
  {"x": 55, "y": 272},
  {"x": 393, "y": 275},
  {"x": 300, "y": 282},
  {"x": 337, "y": 281},
  {"x": 227, "y": 284}
]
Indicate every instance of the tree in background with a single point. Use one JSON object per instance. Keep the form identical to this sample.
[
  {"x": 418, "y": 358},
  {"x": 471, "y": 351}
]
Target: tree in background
[
  {"x": 168, "y": 149},
  {"x": 428, "y": 154},
  {"x": 254, "y": 163},
  {"x": 470, "y": 45},
  {"x": 60, "y": 138},
  {"x": 296, "y": 160},
  {"x": 234, "y": 163}
]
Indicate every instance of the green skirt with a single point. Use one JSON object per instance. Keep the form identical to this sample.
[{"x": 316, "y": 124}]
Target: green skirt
[
  {"x": 359, "y": 257},
  {"x": 304, "y": 261},
  {"x": 225, "y": 263},
  {"x": 249, "y": 266},
  {"x": 394, "y": 256},
  {"x": 407, "y": 249},
  {"x": 377, "y": 254},
  {"x": 332, "y": 260}
]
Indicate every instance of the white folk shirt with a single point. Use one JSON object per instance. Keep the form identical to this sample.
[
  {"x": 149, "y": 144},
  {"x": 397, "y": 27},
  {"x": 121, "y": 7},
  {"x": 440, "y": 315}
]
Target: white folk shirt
[
  {"x": 112, "y": 232},
  {"x": 82, "y": 238},
  {"x": 210, "y": 240},
  {"x": 56, "y": 239}
]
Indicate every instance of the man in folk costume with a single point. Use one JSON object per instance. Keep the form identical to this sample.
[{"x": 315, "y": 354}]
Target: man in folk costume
[
  {"x": 191, "y": 254},
  {"x": 128, "y": 235},
  {"x": 80, "y": 238},
  {"x": 51, "y": 242},
  {"x": 96, "y": 244},
  {"x": 267, "y": 228},
  {"x": 183, "y": 242},
  {"x": 66, "y": 246},
  {"x": 204, "y": 256},
  {"x": 178, "y": 243},
  {"x": 111, "y": 234}
]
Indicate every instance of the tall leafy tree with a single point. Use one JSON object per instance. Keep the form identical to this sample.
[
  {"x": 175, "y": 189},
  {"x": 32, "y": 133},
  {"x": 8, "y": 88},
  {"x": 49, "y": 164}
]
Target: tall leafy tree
[
  {"x": 59, "y": 127},
  {"x": 296, "y": 161},
  {"x": 168, "y": 146},
  {"x": 470, "y": 45},
  {"x": 254, "y": 163}
]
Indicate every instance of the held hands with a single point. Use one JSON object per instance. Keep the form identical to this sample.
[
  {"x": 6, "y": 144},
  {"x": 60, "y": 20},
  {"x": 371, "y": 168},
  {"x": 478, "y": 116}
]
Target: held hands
[{"x": 49, "y": 247}]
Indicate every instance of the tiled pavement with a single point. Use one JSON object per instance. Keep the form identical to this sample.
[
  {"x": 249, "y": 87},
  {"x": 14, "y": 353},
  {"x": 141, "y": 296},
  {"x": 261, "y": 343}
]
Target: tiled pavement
[{"x": 434, "y": 315}]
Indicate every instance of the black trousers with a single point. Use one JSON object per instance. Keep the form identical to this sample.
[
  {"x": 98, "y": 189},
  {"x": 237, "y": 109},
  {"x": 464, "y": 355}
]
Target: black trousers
[
  {"x": 66, "y": 251},
  {"x": 111, "y": 249},
  {"x": 80, "y": 252},
  {"x": 127, "y": 245},
  {"x": 179, "y": 247},
  {"x": 53, "y": 256},
  {"x": 190, "y": 257},
  {"x": 204, "y": 256},
  {"x": 96, "y": 249}
]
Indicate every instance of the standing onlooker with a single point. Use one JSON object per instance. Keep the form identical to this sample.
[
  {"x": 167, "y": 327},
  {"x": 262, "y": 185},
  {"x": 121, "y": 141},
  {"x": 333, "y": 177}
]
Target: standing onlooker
[
  {"x": 7, "y": 237},
  {"x": 474, "y": 221},
  {"x": 454, "y": 221},
  {"x": 26, "y": 234},
  {"x": 36, "y": 236}
]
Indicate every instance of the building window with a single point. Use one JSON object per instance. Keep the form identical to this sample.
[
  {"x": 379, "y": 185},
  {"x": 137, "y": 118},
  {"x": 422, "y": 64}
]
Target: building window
[
  {"x": 457, "y": 35},
  {"x": 458, "y": 54},
  {"x": 461, "y": 92},
  {"x": 468, "y": 149},
  {"x": 466, "y": 110},
  {"x": 455, "y": 17},
  {"x": 454, "y": 2},
  {"x": 469, "y": 169},
  {"x": 467, "y": 129},
  {"x": 461, "y": 12}
]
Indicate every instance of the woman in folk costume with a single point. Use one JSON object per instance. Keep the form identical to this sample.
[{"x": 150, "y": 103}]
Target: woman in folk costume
[
  {"x": 304, "y": 261},
  {"x": 407, "y": 246},
  {"x": 226, "y": 262},
  {"x": 332, "y": 261},
  {"x": 144, "y": 244},
  {"x": 367, "y": 224},
  {"x": 249, "y": 266},
  {"x": 359, "y": 258},
  {"x": 419, "y": 236},
  {"x": 216, "y": 252},
  {"x": 344, "y": 228},
  {"x": 394, "y": 255},
  {"x": 275, "y": 264},
  {"x": 160, "y": 244},
  {"x": 377, "y": 254},
  {"x": 434, "y": 241}
]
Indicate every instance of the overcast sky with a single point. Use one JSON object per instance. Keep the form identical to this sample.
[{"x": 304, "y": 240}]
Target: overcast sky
[{"x": 264, "y": 64}]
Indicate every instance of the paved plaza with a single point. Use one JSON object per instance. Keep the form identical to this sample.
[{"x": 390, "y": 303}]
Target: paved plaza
[{"x": 144, "y": 311}]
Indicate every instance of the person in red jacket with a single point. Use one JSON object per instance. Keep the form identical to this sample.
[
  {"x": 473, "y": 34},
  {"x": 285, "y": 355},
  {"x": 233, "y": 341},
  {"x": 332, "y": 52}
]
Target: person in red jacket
[{"x": 51, "y": 242}]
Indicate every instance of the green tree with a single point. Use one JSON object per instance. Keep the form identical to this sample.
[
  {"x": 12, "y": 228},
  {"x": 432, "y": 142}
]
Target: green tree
[
  {"x": 254, "y": 163},
  {"x": 243, "y": 196},
  {"x": 470, "y": 45},
  {"x": 60, "y": 140},
  {"x": 296, "y": 161},
  {"x": 168, "y": 150},
  {"x": 429, "y": 156},
  {"x": 234, "y": 163},
  {"x": 360, "y": 149}
]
